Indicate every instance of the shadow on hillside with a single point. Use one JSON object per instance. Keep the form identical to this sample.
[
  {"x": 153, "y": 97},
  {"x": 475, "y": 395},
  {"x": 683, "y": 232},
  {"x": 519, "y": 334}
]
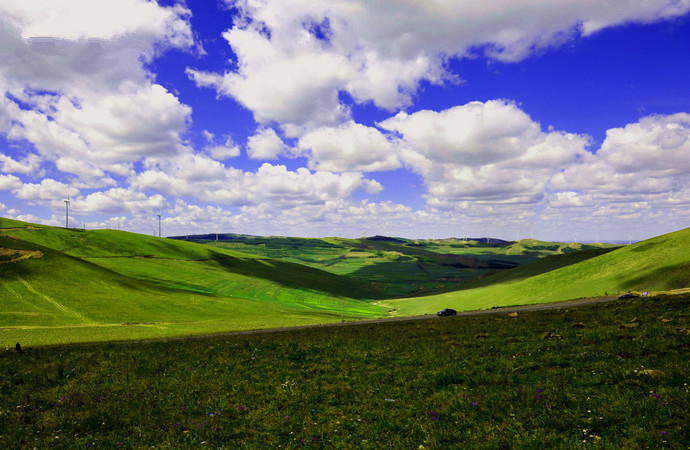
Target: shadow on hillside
[
  {"x": 511, "y": 275},
  {"x": 542, "y": 266},
  {"x": 378, "y": 281},
  {"x": 299, "y": 276},
  {"x": 647, "y": 246},
  {"x": 662, "y": 278}
]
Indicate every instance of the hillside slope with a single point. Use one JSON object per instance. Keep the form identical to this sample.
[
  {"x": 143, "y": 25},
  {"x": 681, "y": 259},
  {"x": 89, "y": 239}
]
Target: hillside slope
[
  {"x": 658, "y": 264},
  {"x": 104, "y": 285}
]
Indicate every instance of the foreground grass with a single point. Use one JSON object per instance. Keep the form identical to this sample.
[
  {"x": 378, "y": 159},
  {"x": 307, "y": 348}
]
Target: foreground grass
[{"x": 616, "y": 377}]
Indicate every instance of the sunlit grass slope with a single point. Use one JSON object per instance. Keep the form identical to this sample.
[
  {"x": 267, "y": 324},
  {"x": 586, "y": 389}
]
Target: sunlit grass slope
[
  {"x": 59, "y": 285},
  {"x": 658, "y": 264},
  {"x": 400, "y": 267}
]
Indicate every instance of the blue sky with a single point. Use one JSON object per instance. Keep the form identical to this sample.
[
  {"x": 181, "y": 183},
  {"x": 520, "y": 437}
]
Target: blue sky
[{"x": 554, "y": 119}]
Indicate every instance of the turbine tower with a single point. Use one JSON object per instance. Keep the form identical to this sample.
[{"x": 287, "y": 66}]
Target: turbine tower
[
  {"x": 159, "y": 225},
  {"x": 66, "y": 212}
]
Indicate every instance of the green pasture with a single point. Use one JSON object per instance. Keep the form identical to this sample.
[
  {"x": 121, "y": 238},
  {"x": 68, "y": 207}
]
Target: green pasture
[
  {"x": 70, "y": 285},
  {"x": 658, "y": 264},
  {"x": 406, "y": 267},
  {"x": 611, "y": 375},
  {"x": 108, "y": 285}
]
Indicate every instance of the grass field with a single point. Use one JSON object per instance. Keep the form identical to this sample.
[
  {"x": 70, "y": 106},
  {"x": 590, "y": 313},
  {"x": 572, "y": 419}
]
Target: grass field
[
  {"x": 67, "y": 285},
  {"x": 404, "y": 267},
  {"x": 109, "y": 285},
  {"x": 658, "y": 264},
  {"x": 611, "y": 375}
]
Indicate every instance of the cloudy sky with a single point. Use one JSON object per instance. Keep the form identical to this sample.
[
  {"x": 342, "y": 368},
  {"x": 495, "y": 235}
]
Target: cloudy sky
[{"x": 558, "y": 119}]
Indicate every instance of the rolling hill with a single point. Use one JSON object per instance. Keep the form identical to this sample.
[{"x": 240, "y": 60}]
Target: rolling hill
[
  {"x": 403, "y": 267},
  {"x": 658, "y": 264},
  {"x": 59, "y": 285},
  {"x": 69, "y": 285}
]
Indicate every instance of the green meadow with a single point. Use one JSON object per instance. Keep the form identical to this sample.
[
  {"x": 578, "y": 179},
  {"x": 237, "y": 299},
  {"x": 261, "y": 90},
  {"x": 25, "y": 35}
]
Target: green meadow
[
  {"x": 69, "y": 285},
  {"x": 404, "y": 267},
  {"x": 610, "y": 375},
  {"x": 105, "y": 285},
  {"x": 655, "y": 265}
]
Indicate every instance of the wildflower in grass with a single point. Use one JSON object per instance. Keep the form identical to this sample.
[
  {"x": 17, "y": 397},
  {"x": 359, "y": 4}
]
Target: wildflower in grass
[
  {"x": 475, "y": 403},
  {"x": 663, "y": 433}
]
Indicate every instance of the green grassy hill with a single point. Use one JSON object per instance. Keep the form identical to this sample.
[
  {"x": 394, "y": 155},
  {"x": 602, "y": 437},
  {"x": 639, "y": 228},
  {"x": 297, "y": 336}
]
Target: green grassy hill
[
  {"x": 70, "y": 285},
  {"x": 658, "y": 264},
  {"x": 403, "y": 267},
  {"x": 59, "y": 285}
]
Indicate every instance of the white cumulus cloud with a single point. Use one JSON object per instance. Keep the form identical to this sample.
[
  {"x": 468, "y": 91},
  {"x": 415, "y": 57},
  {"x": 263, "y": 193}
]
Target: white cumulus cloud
[
  {"x": 646, "y": 161},
  {"x": 295, "y": 57},
  {"x": 349, "y": 147},
  {"x": 490, "y": 151},
  {"x": 74, "y": 83},
  {"x": 265, "y": 144}
]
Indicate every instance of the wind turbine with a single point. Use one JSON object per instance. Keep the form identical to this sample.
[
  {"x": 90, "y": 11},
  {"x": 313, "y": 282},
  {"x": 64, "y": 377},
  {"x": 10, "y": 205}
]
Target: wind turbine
[
  {"x": 67, "y": 211},
  {"x": 160, "y": 213}
]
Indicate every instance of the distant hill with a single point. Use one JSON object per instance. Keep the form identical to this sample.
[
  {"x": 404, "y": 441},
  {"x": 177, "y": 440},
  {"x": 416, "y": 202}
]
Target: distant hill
[
  {"x": 658, "y": 264},
  {"x": 401, "y": 267}
]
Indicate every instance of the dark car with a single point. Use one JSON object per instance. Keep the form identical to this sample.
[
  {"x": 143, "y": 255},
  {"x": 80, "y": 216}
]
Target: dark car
[
  {"x": 631, "y": 295},
  {"x": 446, "y": 312}
]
